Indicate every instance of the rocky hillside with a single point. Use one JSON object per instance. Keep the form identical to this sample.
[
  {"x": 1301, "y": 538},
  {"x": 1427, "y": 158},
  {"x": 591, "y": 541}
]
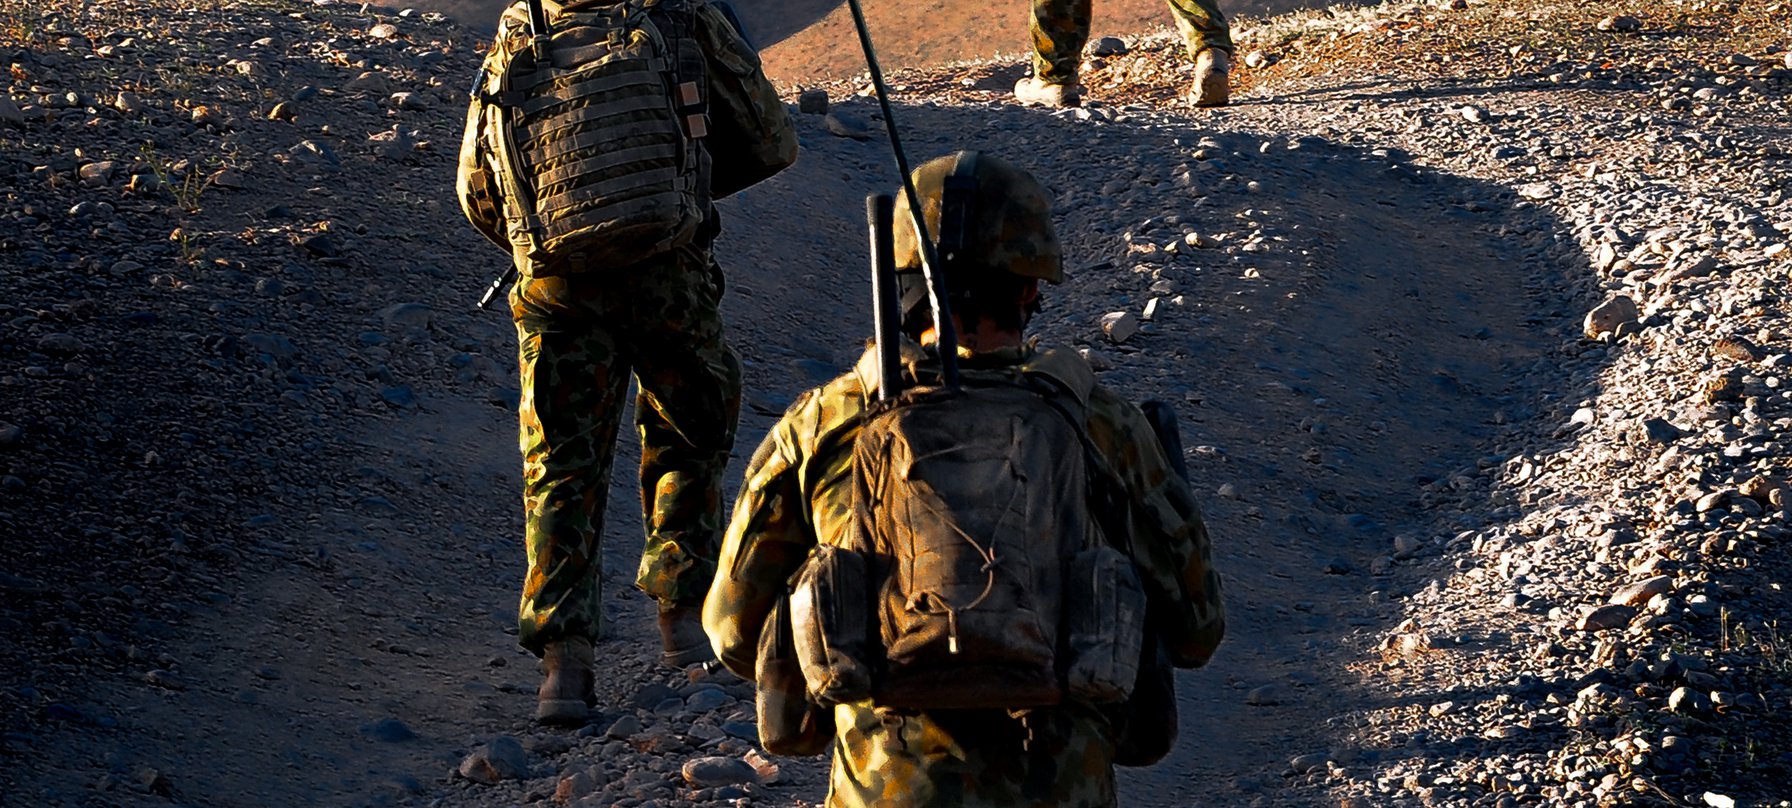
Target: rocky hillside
[{"x": 1475, "y": 315}]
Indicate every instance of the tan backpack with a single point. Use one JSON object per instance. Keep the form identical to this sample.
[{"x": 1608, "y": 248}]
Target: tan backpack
[
  {"x": 585, "y": 152},
  {"x": 976, "y": 576}
]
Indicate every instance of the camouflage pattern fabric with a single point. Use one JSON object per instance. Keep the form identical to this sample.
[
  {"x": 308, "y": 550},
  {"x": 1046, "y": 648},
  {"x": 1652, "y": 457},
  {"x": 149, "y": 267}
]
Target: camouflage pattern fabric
[
  {"x": 797, "y": 495},
  {"x": 580, "y": 338},
  {"x": 1061, "y": 28}
]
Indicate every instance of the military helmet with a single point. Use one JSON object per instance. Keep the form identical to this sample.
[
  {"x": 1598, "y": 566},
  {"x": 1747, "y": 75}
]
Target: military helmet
[{"x": 1002, "y": 219}]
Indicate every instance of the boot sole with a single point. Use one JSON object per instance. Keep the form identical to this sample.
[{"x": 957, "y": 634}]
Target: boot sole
[
  {"x": 683, "y": 659},
  {"x": 561, "y": 712}
]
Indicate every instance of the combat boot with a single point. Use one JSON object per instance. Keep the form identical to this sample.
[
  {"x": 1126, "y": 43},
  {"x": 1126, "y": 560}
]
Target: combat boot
[
  {"x": 1213, "y": 73},
  {"x": 681, "y": 636},
  {"x": 566, "y": 692},
  {"x": 1035, "y": 93}
]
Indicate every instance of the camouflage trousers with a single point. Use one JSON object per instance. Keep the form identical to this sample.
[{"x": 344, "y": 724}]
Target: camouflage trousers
[
  {"x": 580, "y": 338},
  {"x": 1061, "y": 28},
  {"x": 1061, "y": 757}
]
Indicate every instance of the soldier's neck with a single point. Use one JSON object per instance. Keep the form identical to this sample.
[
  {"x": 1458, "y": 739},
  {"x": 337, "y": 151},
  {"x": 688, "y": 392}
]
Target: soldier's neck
[{"x": 986, "y": 337}]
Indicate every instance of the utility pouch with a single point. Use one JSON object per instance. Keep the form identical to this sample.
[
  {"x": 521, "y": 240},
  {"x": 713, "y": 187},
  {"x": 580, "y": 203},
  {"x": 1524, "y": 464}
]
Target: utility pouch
[
  {"x": 789, "y": 723},
  {"x": 1104, "y": 623},
  {"x": 1147, "y": 720},
  {"x": 830, "y": 617}
]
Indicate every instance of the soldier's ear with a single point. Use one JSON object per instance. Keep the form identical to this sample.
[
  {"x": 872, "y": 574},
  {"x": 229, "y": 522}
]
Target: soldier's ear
[{"x": 1029, "y": 292}]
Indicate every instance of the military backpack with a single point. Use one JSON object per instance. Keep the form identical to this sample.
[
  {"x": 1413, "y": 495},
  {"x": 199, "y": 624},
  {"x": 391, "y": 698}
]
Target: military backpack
[
  {"x": 976, "y": 574},
  {"x": 584, "y": 144}
]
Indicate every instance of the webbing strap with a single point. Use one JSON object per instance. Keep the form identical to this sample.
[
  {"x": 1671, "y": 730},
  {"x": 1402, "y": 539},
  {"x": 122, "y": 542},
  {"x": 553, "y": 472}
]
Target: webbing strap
[
  {"x": 598, "y": 139},
  {"x": 604, "y": 162},
  {"x": 571, "y": 87},
  {"x": 553, "y": 126},
  {"x": 600, "y": 192},
  {"x": 608, "y": 214}
]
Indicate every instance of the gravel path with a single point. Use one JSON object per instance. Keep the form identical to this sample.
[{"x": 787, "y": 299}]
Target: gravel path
[{"x": 258, "y": 457}]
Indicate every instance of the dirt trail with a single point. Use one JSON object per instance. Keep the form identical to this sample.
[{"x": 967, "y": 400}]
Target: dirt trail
[{"x": 1338, "y": 327}]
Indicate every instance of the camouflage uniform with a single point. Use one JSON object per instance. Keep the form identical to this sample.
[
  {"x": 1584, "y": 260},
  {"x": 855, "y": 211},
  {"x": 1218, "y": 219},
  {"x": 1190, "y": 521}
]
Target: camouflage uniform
[
  {"x": 1062, "y": 756},
  {"x": 580, "y": 338},
  {"x": 1061, "y": 27}
]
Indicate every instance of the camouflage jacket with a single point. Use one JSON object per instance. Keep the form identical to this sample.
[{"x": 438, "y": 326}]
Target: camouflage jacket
[{"x": 793, "y": 499}]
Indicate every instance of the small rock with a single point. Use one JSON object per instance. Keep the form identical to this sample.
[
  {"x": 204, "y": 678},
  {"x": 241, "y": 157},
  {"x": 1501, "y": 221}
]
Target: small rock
[
  {"x": 367, "y": 82},
  {"x": 1473, "y": 114},
  {"x": 1658, "y": 430},
  {"x": 502, "y": 759},
  {"x": 10, "y": 114},
  {"x": 1611, "y": 615},
  {"x": 99, "y": 173},
  {"x": 410, "y": 101},
  {"x": 320, "y": 245},
  {"x": 763, "y": 767},
  {"x": 625, "y": 727},
  {"x": 283, "y": 111},
  {"x": 384, "y": 30},
  {"x": 164, "y": 679},
  {"x": 1687, "y": 701},
  {"x": 1256, "y": 59},
  {"x": 1620, "y": 24},
  {"x": 1725, "y": 386},
  {"x": 1108, "y": 46},
  {"x": 399, "y": 396},
  {"x": 1608, "y": 317},
  {"x": 229, "y": 178},
  {"x": 388, "y": 730},
  {"x": 1262, "y": 696},
  {"x": 715, "y": 771},
  {"x": 812, "y": 102},
  {"x": 847, "y": 125},
  {"x": 1538, "y": 191},
  {"x": 707, "y": 700},
  {"x": 204, "y": 116},
  {"x": 1406, "y": 546},
  {"x": 59, "y": 345},
  {"x": 575, "y": 786},
  {"x": 1760, "y": 489},
  {"x": 1308, "y": 762},
  {"x": 407, "y": 316},
  {"x": 1119, "y": 326}
]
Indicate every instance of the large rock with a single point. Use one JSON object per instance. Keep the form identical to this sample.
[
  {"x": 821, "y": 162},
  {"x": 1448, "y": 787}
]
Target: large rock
[
  {"x": 1608, "y": 317},
  {"x": 1611, "y": 615},
  {"x": 1639, "y": 593}
]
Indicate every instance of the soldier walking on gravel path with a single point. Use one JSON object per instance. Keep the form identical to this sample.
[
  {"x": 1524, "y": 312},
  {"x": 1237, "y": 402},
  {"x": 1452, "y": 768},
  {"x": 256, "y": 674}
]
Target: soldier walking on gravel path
[
  {"x": 810, "y": 491},
  {"x": 592, "y": 153},
  {"x": 1061, "y": 27}
]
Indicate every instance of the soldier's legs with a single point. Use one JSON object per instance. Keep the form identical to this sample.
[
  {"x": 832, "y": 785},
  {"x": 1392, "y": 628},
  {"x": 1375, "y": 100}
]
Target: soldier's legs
[
  {"x": 1060, "y": 29},
  {"x": 573, "y": 378},
  {"x": 1202, "y": 25},
  {"x": 686, "y": 411}
]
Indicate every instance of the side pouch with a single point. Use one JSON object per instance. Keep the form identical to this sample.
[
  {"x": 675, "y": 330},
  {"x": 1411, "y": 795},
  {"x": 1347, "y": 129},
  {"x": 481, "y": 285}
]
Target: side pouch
[
  {"x": 1104, "y": 620},
  {"x": 474, "y": 182},
  {"x": 1147, "y": 720},
  {"x": 789, "y": 724},
  {"x": 830, "y": 611},
  {"x": 751, "y": 136}
]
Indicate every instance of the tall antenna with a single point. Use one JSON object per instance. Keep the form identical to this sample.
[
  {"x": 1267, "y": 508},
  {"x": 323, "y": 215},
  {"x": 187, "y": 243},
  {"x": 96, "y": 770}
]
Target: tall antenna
[{"x": 930, "y": 263}]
